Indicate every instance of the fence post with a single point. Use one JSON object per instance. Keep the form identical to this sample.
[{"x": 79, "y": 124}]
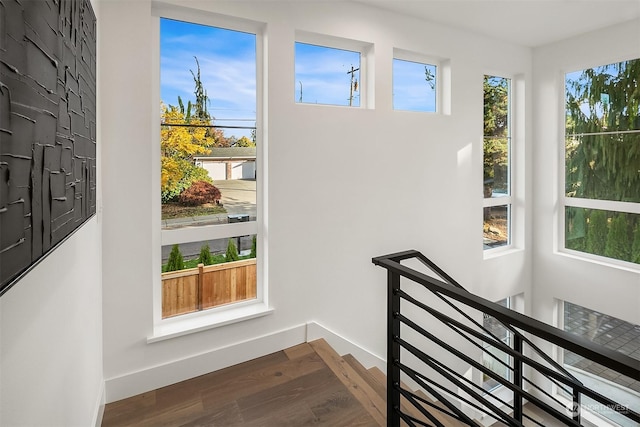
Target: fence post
[
  {"x": 393, "y": 350},
  {"x": 200, "y": 285},
  {"x": 517, "y": 377}
]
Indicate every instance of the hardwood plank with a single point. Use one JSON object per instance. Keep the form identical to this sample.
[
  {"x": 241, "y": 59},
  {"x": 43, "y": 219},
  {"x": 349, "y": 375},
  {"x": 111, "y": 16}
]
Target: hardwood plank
[
  {"x": 367, "y": 397},
  {"x": 379, "y": 388},
  {"x": 194, "y": 388},
  {"x": 225, "y": 416},
  {"x": 281, "y": 397},
  {"x": 299, "y": 351},
  {"x": 128, "y": 411},
  {"x": 341, "y": 408},
  {"x": 238, "y": 384}
]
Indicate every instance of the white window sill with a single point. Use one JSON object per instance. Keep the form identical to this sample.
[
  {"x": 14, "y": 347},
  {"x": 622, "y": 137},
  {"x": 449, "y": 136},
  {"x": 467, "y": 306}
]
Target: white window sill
[
  {"x": 599, "y": 260},
  {"x": 501, "y": 251},
  {"x": 208, "y": 319}
]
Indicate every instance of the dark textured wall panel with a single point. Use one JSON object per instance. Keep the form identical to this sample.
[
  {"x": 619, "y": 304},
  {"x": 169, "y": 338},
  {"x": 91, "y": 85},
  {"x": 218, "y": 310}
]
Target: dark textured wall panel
[{"x": 47, "y": 128}]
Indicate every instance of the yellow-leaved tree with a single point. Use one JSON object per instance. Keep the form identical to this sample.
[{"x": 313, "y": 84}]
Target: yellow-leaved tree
[
  {"x": 178, "y": 146},
  {"x": 182, "y": 137}
]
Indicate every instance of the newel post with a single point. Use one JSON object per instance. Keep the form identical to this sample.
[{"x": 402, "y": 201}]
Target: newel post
[{"x": 393, "y": 350}]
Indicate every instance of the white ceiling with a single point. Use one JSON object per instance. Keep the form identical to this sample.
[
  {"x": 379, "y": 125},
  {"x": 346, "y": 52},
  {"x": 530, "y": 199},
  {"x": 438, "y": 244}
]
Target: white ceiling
[{"x": 524, "y": 22}]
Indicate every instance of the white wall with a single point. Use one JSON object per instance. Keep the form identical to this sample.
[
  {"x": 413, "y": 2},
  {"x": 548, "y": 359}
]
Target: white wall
[
  {"x": 398, "y": 180},
  {"x": 51, "y": 329},
  {"x": 606, "y": 288}
]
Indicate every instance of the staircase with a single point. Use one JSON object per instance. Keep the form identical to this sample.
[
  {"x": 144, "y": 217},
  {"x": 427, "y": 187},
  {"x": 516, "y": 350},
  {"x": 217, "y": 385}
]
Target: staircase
[
  {"x": 445, "y": 339},
  {"x": 368, "y": 386}
]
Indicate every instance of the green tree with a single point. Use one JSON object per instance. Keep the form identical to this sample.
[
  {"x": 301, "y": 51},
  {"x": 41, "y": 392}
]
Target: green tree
[
  {"x": 602, "y": 147},
  {"x": 175, "y": 262},
  {"x": 602, "y": 162},
  {"x": 232, "y": 251},
  {"x": 597, "y": 232},
  {"x": 496, "y": 128},
  {"x": 619, "y": 242},
  {"x": 635, "y": 249},
  {"x": 205, "y": 255},
  {"x": 186, "y": 132}
]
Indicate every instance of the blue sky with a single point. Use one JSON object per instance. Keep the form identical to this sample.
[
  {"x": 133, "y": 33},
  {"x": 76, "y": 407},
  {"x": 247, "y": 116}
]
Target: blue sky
[
  {"x": 323, "y": 73},
  {"x": 228, "y": 73},
  {"x": 411, "y": 92},
  {"x": 227, "y": 68}
]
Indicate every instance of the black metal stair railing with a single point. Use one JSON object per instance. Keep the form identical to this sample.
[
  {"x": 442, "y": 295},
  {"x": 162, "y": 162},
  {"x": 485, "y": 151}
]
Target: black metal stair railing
[{"x": 418, "y": 351}]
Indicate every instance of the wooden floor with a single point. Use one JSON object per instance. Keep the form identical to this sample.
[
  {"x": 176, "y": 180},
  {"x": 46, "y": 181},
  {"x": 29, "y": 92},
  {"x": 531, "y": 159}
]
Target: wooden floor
[
  {"x": 306, "y": 385},
  {"x": 294, "y": 387}
]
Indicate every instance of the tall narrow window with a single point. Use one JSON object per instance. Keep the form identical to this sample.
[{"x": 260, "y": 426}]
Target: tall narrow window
[
  {"x": 208, "y": 143},
  {"x": 602, "y": 161},
  {"x": 497, "y": 162}
]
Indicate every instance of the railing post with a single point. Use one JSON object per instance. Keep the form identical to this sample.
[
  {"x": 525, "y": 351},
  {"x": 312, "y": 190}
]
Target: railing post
[
  {"x": 393, "y": 350},
  {"x": 517, "y": 378},
  {"x": 576, "y": 405}
]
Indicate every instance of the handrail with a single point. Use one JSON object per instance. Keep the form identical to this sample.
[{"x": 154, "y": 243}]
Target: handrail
[{"x": 449, "y": 290}]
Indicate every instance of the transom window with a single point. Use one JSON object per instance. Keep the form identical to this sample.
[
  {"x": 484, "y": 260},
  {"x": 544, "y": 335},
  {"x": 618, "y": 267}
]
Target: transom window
[
  {"x": 414, "y": 86},
  {"x": 327, "y": 75}
]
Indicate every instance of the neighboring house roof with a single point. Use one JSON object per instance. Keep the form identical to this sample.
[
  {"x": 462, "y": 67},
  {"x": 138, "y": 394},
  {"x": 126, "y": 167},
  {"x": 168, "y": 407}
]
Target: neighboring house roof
[{"x": 226, "y": 153}]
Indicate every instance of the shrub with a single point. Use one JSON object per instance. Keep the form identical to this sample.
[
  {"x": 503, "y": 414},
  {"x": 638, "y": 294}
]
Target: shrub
[
  {"x": 205, "y": 256},
  {"x": 618, "y": 242},
  {"x": 597, "y": 232},
  {"x": 254, "y": 247},
  {"x": 199, "y": 193},
  {"x": 232, "y": 251},
  {"x": 635, "y": 250},
  {"x": 175, "y": 261}
]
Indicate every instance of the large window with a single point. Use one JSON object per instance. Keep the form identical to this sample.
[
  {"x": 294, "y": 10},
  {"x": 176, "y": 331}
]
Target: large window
[
  {"x": 209, "y": 146},
  {"x": 614, "y": 334},
  {"x": 602, "y": 161},
  {"x": 497, "y": 162}
]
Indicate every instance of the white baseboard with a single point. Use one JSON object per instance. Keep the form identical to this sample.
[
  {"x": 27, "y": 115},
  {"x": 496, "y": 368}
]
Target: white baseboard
[
  {"x": 99, "y": 411},
  {"x": 343, "y": 345},
  {"x": 193, "y": 366},
  {"x": 135, "y": 383}
]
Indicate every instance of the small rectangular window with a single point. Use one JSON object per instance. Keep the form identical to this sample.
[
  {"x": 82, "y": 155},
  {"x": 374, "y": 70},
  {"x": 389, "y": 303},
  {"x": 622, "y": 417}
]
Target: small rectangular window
[
  {"x": 327, "y": 75},
  {"x": 497, "y": 162},
  {"x": 414, "y": 86}
]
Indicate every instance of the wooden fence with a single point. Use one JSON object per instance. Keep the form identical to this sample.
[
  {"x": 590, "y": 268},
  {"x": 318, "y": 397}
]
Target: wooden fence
[{"x": 195, "y": 289}]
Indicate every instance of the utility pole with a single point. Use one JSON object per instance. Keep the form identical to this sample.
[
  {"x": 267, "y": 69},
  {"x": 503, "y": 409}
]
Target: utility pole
[
  {"x": 353, "y": 86},
  {"x": 300, "y": 91}
]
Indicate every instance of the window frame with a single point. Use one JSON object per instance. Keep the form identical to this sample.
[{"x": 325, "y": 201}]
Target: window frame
[
  {"x": 565, "y": 201},
  {"x": 242, "y": 310}
]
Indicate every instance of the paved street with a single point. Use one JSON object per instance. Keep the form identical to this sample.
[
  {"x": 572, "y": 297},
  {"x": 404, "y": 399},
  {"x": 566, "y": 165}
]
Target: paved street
[{"x": 238, "y": 198}]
